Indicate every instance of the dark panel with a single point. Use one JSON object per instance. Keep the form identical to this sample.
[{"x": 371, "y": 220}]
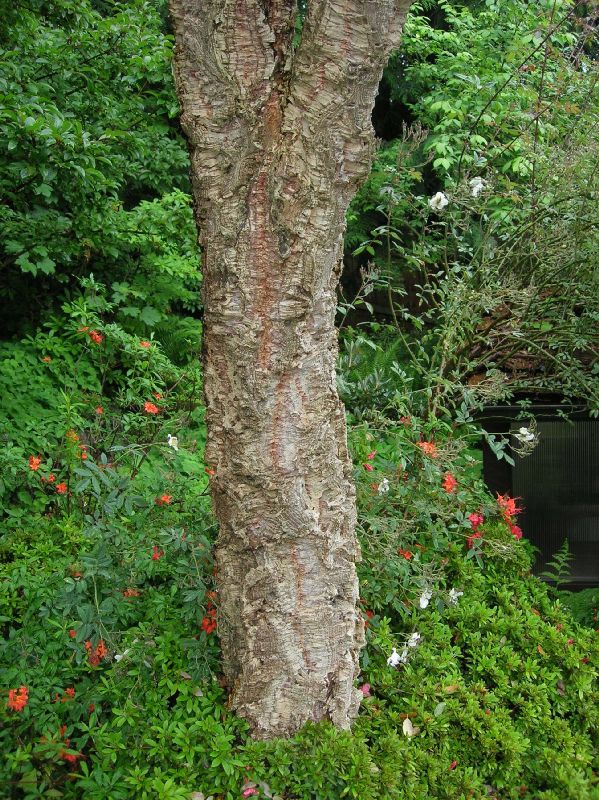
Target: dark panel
[{"x": 559, "y": 486}]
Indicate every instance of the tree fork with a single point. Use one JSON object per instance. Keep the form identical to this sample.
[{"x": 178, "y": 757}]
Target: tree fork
[{"x": 279, "y": 141}]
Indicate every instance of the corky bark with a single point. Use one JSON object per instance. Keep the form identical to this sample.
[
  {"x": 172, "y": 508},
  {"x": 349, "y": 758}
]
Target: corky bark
[{"x": 279, "y": 141}]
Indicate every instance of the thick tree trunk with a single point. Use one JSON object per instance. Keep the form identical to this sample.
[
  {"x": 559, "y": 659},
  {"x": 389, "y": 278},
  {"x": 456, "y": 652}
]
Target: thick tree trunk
[{"x": 279, "y": 141}]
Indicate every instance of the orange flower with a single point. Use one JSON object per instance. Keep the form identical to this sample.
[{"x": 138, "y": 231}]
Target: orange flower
[
  {"x": 428, "y": 448},
  {"x": 156, "y": 553},
  {"x": 17, "y": 698},
  {"x": 129, "y": 592},
  {"x": 72, "y": 633},
  {"x": 145, "y": 343},
  {"x": 70, "y": 691},
  {"x": 96, "y": 337},
  {"x": 34, "y": 462},
  {"x": 61, "y": 488},
  {"x": 71, "y": 436},
  {"x": 150, "y": 408},
  {"x": 449, "y": 483},
  {"x": 405, "y": 554},
  {"x": 99, "y": 410},
  {"x": 209, "y": 471},
  {"x": 46, "y": 359},
  {"x": 164, "y": 500}
]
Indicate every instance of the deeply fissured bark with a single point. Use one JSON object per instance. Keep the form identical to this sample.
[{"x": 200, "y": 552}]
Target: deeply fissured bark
[{"x": 279, "y": 140}]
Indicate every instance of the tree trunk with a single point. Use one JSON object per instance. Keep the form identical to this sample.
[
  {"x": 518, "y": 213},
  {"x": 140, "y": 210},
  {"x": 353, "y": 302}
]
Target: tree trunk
[{"x": 279, "y": 140}]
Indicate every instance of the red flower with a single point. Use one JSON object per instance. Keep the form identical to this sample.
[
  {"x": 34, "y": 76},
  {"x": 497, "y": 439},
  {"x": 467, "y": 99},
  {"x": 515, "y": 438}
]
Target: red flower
[
  {"x": 428, "y": 448},
  {"x": 61, "y": 488},
  {"x": 51, "y": 477},
  {"x": 34, "y": 462},
  {"x": 70, "y": 691},
  {"x": 72, "y": 633},
  {"x": 150, "y": 408},
  {"x": 46, "y": 359},
  {"x": 449, "y": 483},
  {"x": 508, "y": 507},
  {"x": 516, "y": 532},
  {"x": 370, "y": 456},
  {"x": 453, "y": 765},
  {"x": 209, "y": 621},
  {"x": 405, "y": 554},
  {"x": 209, "y": 471},
  {"x": 164, "y": 500},
  {"x": 368, "y": 467},
  {"x": 83, "y": 453},
  {"x": 96, "y": 337},
  {"x": 72, "y": 758},
  {"x": 156, "y": 553},
  {"x": 91, "y": 707},
  {"x": 17, "y": 698},
  {"x": 144, "y": 343},
  {"x": 476, "y": 519},
  {"x": 99, "y": 410}
]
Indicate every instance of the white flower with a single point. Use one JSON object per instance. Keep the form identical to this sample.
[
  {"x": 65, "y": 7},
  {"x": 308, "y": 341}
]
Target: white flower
[
  {"x": 425, "y": 597},
  {"x": 395, "y": 659},
  {"x": 413, "y": 640},
  {"x": 525, "y": 435},
  {"x": 172, "y": 441},
  {"x": 120, "y": 656},
  {"x": 453, "y": 596},
  {"x": 438, "y": 202},
  {"x": 384, "y": 486},
  {"x": 477, "y": 185}
]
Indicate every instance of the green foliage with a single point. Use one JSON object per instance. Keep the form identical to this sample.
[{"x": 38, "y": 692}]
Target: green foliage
[
  {"x": 497, "y": 692},
  {"x": 93, "y": 166}
]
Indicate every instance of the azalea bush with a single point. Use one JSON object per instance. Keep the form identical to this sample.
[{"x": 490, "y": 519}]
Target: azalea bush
[{"x": 473, "y": 677}]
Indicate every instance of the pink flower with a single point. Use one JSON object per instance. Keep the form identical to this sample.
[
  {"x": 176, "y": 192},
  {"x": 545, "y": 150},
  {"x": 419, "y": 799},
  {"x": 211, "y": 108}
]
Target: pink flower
[
  {"x": 156, "y": 553},
  {"x": 516, "y": 532},
  {"x": 249, "y": 791},
  {"x": 453, "y": 765},
  {"x": 368, "y": 467},
  {"x": 365, "y": 689},
  {"x": 370, "y": 456},
  {"x": 476, "y": 519}
]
